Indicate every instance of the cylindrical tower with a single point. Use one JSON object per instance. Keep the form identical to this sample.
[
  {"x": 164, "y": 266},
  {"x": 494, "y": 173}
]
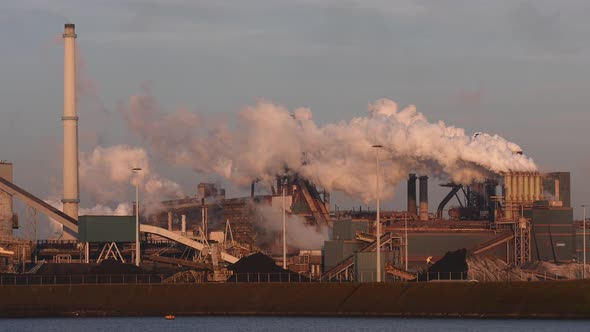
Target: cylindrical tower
[
  {"x": 423, "y": 197},
  {"x": 538, "y": 189},
  {"x": 508, "y": 186},
  {"x": 515, "y": 193},
  {"x": 508, "y": 197},
  {"x": 412, "y": 209},
  {"x": 534, "y": 195},
  {"x": 520, "y": 187},
  {"x": 526, "y": 194},
  {"x": 70, "y": 121}
]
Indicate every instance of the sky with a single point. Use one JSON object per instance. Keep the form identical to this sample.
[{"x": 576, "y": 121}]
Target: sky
[{"x": 519, "y": 69}]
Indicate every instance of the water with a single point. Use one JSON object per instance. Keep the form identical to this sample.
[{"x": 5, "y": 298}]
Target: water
[{"x": 246, "y": 324}]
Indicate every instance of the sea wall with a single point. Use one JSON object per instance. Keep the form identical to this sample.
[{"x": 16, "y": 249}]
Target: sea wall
[{"x": 551, "y": 299}]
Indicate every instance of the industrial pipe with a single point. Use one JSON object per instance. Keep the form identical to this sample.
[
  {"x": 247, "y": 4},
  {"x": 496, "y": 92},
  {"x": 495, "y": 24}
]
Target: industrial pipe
[
  {"x": 423, "y": 197},
  {"x": 520, "y": 187},
  {"x": 538, "y": 189},
  {"x": 411, "y": 198},
  {"x": 526, "y": 187}
]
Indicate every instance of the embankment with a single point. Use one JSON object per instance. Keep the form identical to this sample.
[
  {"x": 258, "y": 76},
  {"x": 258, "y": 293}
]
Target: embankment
[{"x": 552, "y": 299}]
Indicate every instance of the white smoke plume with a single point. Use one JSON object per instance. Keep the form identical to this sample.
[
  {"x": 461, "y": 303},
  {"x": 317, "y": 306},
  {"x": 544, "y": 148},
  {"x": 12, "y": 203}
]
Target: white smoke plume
[
  {"x": 106, "y": 174},
  {"x": 299, "y": 235},
  {"x": 267, "y": 138}
]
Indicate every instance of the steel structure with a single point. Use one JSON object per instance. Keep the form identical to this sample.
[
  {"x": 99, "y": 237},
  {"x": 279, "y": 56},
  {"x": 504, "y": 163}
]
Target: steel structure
[
  {"x": 71, "y": 197},
  {"x": 345, "y": 269}
]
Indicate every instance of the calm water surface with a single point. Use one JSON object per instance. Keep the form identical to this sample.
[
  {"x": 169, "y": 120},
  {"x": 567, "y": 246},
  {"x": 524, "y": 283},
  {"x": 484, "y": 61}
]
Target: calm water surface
[{"x": 285, "y": 324}]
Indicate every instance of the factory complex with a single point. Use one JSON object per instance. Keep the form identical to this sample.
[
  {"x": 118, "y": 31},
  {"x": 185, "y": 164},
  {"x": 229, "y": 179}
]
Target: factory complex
[{"x": 523, "y": 219}]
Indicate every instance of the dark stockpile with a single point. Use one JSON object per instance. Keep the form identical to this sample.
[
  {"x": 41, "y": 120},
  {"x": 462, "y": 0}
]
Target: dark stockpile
[
  {"x": 261, "y": 268},
  {"x": 453, "y": 266}
]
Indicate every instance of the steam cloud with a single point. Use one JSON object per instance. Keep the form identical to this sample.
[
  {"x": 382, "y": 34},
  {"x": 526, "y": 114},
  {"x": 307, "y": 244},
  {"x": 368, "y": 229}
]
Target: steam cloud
[
  {"x": 106, "y": 175},
  {"x": 267, "y": 138},
  {"x": 299, "y": 235}
]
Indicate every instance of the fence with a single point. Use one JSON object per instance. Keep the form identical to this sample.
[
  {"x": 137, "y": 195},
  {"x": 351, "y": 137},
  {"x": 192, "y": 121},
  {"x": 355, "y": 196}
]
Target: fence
[
  {"x": 11, "y": 280},
  {"x": 23, "y": 279}
]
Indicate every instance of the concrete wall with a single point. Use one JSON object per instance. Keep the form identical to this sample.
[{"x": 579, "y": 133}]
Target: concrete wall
[{"x": 552, "y": 299}]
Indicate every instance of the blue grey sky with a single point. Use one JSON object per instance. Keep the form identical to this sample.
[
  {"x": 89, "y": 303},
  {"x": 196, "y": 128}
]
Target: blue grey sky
[{"x": 520, "y": 69}]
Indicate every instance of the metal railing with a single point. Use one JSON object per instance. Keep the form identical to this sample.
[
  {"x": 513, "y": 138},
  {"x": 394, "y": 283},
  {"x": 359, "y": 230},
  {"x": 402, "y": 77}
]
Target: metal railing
[
  {"x": 11, "y": 280},
  {"x": 255, "y": 277}
]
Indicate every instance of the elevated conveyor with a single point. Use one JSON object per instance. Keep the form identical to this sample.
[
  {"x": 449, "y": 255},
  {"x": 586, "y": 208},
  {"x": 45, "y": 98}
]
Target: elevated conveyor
[
  {"x": 493, "y": 243},
  {"x": 182, "y": 240},
  {"x": 70, "y": 224},
  {"x": 403, "y": 274}
]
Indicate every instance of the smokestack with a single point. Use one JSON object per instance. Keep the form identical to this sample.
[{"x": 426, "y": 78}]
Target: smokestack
[
  {"x": 557, "y": 190},
  {"x": 252, "y": 188},
  {"x": 423, "y": 198},
  {"x": 70, "y": 122},
  {"x": 170, "y": 221},
  {"x": 412, "y": 209},
  {"x": 183, "y": 225}
]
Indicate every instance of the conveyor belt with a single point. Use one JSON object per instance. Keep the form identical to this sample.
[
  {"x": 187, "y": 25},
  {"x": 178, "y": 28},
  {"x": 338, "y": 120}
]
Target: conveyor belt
[
  {"x": 70, "y": 224},
  {"x": 182, "y": 240},
  {"x": 502, "y": 238}
]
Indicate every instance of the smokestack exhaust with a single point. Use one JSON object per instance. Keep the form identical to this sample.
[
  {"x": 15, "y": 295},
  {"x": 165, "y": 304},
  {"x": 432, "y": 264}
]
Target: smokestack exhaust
[
  {"x": 70, "y": 122},
  {"x": 424, "y": 198},
  {"x": 412, "y": 208}
]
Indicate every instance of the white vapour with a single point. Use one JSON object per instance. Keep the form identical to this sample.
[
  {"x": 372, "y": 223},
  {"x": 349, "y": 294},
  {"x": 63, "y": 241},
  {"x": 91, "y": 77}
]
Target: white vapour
[
  {"x": 106, "y": 174},
  {"x": 267, "y": 139},
  {"x": 299, "y": 235}
]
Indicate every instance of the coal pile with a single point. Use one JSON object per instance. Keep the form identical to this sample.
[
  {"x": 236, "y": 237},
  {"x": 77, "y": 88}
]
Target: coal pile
[
  {"x": 261, "y": 268},
  {"x": 453, "y": 266}
]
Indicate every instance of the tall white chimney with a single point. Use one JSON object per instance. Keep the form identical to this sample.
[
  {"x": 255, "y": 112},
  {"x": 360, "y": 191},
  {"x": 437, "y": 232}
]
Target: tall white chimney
[{"x": 70, "y": 121}]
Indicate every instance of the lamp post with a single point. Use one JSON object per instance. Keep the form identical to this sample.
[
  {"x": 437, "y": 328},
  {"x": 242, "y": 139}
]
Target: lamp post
[
  {"x": 584, "y": 242},
  {"x": 378, "y": 221},
  {"x": 284, "y": 229},
  {"x": 137, "y": 249}
]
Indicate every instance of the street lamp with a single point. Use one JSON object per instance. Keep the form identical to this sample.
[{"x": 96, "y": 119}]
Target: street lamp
[
  {"x": 378, "y": 231},
  {"x": 284, "y": 229},
  {"x": 137, "y": 249},
  {"x": 584, "y": 242}
]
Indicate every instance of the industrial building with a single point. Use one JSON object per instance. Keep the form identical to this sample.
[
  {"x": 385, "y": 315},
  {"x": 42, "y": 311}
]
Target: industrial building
[{"x": 517, "y": 216}]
